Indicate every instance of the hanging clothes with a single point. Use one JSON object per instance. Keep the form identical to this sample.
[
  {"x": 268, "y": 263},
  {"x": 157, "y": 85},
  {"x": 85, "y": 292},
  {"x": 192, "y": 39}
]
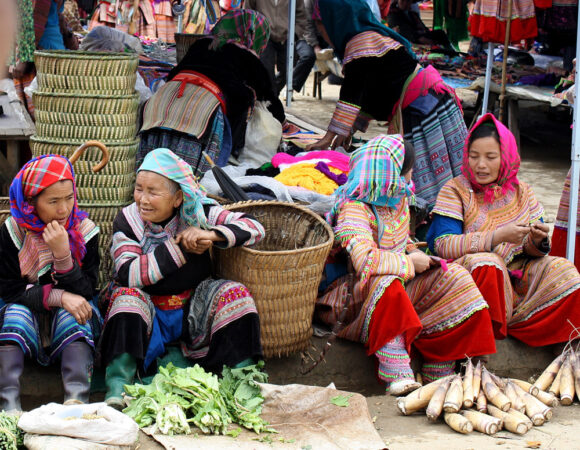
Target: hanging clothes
[{"x": 489, "y": 19}]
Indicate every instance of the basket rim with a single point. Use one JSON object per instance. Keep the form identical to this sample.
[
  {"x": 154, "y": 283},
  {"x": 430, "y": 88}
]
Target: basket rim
[
  {"x": 81, "y": 95},
  {"x": 302, "y": 209},
  {"x": 83, "y": 54},
  {"x": 79, "y": 142}
]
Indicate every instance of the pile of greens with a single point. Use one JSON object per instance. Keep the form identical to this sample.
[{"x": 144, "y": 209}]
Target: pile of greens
[
  {"x": 177, "y": 397},
  {"x": 11, "y": 437}
]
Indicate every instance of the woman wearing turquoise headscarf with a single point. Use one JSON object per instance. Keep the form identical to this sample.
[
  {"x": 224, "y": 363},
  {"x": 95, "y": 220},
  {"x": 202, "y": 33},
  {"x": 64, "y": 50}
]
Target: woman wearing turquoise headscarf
[
  {"x": 383, "y": 81},
  {"x": 162, "y": 292},
  {"x": 401, "y": 299}
]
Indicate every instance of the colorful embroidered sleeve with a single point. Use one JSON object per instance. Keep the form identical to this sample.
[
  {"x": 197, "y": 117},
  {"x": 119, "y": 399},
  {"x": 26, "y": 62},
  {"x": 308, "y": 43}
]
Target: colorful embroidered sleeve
[
  {"x": 237, "y": 228},
  {"x": 446, "y": 238},
  {"x": 354, "y": 232},
  {"x": 343, "y": 119},
  {"x": 132, "y": 267},
  {"x": 449, "y": 202}
]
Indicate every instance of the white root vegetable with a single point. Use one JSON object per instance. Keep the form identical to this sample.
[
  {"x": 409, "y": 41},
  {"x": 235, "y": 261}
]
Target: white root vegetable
[
  {"x": 458, "y": 423},
  {"x": 492, "y": 392},
  {"x": 482, "y": 422},
  {"x": 481, "y": 402},
  {"x": 510, "y": 422},
  {"x": 454, "y": 396},
  {"x": 468, "y": 385},
  {"x": 435, "y": 406},
  {"x": 528, "y": 387},
  {"x": 512, "y": 394},
  {"x": 476, "y": 385},
  {"x": 567, "y": 383},
  {"x": 419, "y": 398},
  {"x": 547, "y": 377}
]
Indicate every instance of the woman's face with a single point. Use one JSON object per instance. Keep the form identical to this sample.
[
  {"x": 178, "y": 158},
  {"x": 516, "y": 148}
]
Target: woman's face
[
  {"x": 155, "y": 198},
  {"x": 485, "y": 159},
  {"x": 56, "y": 202}
]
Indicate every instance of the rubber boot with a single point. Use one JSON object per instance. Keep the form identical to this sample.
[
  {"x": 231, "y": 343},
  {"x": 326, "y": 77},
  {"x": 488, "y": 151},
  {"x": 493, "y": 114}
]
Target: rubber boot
[
  {"x": 77, "y": 370},
  {"x": 11, "y": 366},
  {"x": 119, "y": 372}
]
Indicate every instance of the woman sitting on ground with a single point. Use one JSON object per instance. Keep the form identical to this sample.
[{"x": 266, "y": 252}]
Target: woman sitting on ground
[
  {"x": 162, "y": 291},
  {"x": 383, "y": 81},
  {"x": 399, "y": 299},
  {"x": 49, "y": 263},
  {"x": 491, "y": 223}
]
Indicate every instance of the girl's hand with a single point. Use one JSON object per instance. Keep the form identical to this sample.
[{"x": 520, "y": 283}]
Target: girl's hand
[
  {"x": 538, "y": 232},
  {"x": 421, "y": 261},
  {"x": 323, "y": 144},
  {"x": 513, "y": 233},
  {"x": 77, "y": 306},
  {"x": 56, "y": 238}
]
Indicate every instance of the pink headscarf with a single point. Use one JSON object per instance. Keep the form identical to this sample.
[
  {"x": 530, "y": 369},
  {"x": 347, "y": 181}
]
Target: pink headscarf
[{"x": 507, "y": 177}]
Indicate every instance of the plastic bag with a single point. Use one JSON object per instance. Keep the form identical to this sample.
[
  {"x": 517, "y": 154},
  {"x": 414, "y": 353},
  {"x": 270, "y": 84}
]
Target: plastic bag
[
  {"x": 110, "y": 427},
  {"x": 263, "y": 137}
]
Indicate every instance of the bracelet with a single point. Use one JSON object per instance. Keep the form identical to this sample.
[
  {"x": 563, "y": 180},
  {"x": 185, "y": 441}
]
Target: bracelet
[{"x": 61, "y": 259}]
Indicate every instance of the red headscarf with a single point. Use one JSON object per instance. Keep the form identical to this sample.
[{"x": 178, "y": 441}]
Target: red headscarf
[{"x": 507, "y": 177}]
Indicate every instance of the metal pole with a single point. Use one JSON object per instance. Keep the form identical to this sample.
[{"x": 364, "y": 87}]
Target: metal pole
[
  {"x": 575, "y": 172},
  {"x": 488, "y": 67},
  {"x": 290, "y": 50},
  {"x": 506, "y": 45}
]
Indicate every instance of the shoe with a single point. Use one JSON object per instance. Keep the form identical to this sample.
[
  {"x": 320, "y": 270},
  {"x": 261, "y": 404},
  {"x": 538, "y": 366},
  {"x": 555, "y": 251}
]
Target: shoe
[
  {"x": 77, "y": 370},
  {"x": 403, "y": 387},
  {"x": 119, "y": 372},
  {"x": 11, "y": 366}
]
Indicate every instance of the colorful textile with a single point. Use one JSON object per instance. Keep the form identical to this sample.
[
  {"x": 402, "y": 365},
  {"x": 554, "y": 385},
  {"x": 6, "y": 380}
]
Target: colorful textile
[
  {"x": 375, "y": 175},
  {"x": 344, "y": 19},
  {"x": 507, "y": 177},
  {"x": 307, "y": 176},
  {"x": 36, "y": 175},
  {"x": 434, "y": 371},
  {"x": 337, "y": 160},
  {"x": 369, "y": 43},
  {"x": 488, "y": 20},
  {"x": 21, "y": 326},
  {"x": 343, "y": 118},
  {"x": 25, "y": 43},
  {"x": 338, "y": 178},
  {"x": 394, "y": 361},
  {"x": 166, "y": 163},
  {"x": 242, "y": 26},
  {"x": 560, "y": 234}
]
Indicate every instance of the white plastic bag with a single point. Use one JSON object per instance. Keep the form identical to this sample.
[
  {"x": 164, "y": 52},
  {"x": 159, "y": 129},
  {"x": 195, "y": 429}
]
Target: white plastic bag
[
  {"x": 113, "y": 427},
  {"x": 263, "y": 137}
]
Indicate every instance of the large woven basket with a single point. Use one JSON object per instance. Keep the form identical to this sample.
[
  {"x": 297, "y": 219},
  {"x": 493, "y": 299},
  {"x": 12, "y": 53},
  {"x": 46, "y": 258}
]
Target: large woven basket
[
  {"x": 74, "y": 119},
  {"x": 282, "y": 271},
  {"x": 48, "y": 82},
  {"x": 4, "y": 209},
  {"x": 81, "y": 63},
  {"x": 118, "y": 152},
  {"x": 58, "y": 131},
  {"x": 182, "y": 43},
  {"x": 102, "y": 104}
]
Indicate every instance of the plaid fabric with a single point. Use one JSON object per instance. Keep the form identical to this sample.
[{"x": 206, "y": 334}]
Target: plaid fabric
[
  {"x": 243, "y": 26},
  {"x": 36, "y": 175},
  {"x": 166, "y": 163},
  {"x": 510, "y": 162},
  {"x": 375, "y": 175}
]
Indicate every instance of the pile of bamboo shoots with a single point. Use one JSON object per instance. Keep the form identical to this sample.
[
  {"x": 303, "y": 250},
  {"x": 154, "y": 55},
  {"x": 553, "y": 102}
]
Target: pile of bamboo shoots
[
  {"x": 562, "y": 377},
  {"x": 482, "y": 401}
]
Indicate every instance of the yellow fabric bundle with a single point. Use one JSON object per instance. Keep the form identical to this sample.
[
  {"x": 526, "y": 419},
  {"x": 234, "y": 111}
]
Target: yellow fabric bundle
[{"x": 306, "y": 176}]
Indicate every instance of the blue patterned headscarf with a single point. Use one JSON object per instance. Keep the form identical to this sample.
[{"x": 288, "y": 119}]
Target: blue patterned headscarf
[
  {"x": 344, "y": 19},
  {"x": 166, "y": 163},
  {"x": 374, "y": 175}
]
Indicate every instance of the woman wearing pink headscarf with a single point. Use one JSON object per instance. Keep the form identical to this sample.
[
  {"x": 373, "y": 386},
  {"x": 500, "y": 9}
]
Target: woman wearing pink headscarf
[{"x": 491, "y": 223}]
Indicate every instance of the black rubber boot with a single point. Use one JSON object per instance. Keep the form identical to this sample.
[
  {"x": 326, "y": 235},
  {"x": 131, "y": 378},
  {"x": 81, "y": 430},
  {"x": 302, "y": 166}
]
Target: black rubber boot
[
  {"x": 11, "y": 366},
  {"x": 77, "y": 370}
]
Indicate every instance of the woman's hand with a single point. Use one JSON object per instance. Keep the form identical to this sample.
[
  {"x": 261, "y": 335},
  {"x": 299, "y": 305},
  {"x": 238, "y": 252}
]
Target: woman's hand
[
  {"x": 421, "y": 261},
  {"x": 77, "y": 306},
  {"x": 323, "y": 144},
  {"x": 56, "y": 238},
  {"x": 198, "y": 241},
  {"x": 538, "y": 232},
  {"x": 513, "y": 233}
]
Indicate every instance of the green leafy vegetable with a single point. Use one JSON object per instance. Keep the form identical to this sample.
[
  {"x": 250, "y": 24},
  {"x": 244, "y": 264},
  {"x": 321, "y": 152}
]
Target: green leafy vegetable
[
  {"x": 11, "y": 437},
  {"x": 340, "y": 400}
]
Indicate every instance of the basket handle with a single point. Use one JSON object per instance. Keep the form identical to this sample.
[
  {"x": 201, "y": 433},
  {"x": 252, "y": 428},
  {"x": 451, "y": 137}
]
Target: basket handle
[{"x": 79, "y": 151}]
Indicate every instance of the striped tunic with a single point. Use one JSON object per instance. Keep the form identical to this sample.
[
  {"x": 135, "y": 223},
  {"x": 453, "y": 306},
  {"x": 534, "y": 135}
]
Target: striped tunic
[
  {"x": 542, "y": 282},
  {"x": 377, "y": 250}
]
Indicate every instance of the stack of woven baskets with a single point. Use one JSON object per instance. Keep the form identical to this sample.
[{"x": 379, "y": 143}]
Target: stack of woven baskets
[{"x": 84, "y": 96}]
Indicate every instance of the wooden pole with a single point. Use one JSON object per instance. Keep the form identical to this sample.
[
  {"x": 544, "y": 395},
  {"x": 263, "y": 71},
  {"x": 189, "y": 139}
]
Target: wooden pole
[
  {"x": 133, "y": 22},
  {"x": 504, "y": 63}
]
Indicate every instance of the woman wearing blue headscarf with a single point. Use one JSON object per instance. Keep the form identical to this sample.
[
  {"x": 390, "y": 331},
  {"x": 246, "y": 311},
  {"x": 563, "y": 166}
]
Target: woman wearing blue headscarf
[{"x": 383, "y": 81}]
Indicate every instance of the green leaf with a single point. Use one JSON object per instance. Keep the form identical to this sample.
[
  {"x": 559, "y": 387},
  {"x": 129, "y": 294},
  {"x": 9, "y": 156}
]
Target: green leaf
[
  {"x": 234, "y": 433},
  {"x": 340, "y": 400}
]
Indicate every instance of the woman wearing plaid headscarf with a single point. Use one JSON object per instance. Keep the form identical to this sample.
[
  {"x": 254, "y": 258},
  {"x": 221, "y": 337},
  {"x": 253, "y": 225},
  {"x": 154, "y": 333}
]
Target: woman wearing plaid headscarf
[
  {"x": 401, "y": 299},
  {"x": 224, "y": 75},
  {"x": 49, "y": 263},
  {"x": 162, "y": 292}
]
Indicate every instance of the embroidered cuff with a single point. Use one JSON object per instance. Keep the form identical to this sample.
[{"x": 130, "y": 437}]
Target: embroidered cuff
[
  {"x": 343, "y": 119},
  {"x": 51, "y": 298},
  {"x": 362, "y": 122},
  {"x": 63, "y": 265},
  {"x": 480, "y": 242},
  {"x": 227, "y": 234}
]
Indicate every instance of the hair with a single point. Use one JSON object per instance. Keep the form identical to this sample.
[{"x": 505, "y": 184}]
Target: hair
[
  {"x": 486, "y": 129},
  {"x": 409, "y": 159}
]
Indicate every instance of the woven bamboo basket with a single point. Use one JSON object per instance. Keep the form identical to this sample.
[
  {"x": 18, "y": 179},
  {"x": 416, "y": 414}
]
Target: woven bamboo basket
[
  {"x": 81, "y": 63},
  {"x": 48, "y": 82},
  {"x": 56, "y": 131},
  {"x": 282, "y": 271},
  {"x": 99, "y": 181},
  {"x": 103, "y": 215},
  {"x": 118, "y": 152},
  {"x": 112, "y": 196},
  {"x": 74, "y": 119},
  {"x": 182, "y": 43},
  {"x": 78, "y": 103},
  {"x": 4, "y": 209}
]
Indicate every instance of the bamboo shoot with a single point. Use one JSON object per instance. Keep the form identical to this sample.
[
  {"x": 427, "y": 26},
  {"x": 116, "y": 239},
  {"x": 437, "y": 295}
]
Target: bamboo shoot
[
  {"x": 575, "y": 363},
  {"x": 510, "y": 422},
  {"x": 419, "y": 398},
  {"x": 481, "y": 402},
  {"x": 527, "y": 387},
  {"x": 454, "y": 396},
  {"x": 522, "y": 417},
  {"x": 492, "y": 392},
  {"x": 547, "y": 377},
  {"x": 468, "y": 385},
  {"x": 476, "y": 385},
  {"x": 482, "y": 422},
  {"x": 555, "y": 387},
  {"x": 567, "y": 384},
  {"x": 435, "y": 406},
  {"x": 512, "y": 394},
  {"x": 458, "y": 423}
]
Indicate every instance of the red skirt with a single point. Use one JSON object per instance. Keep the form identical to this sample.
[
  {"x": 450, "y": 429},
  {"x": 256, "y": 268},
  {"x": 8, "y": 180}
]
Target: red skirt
[{"x": 559, "y": 238}]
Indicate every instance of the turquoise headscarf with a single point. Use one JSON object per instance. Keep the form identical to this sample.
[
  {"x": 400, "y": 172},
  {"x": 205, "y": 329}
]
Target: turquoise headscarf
[
  {"x": 344, "y": 19},
  {"x": 375, "y": 175},
  {"x": 166, "y": 163}
]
